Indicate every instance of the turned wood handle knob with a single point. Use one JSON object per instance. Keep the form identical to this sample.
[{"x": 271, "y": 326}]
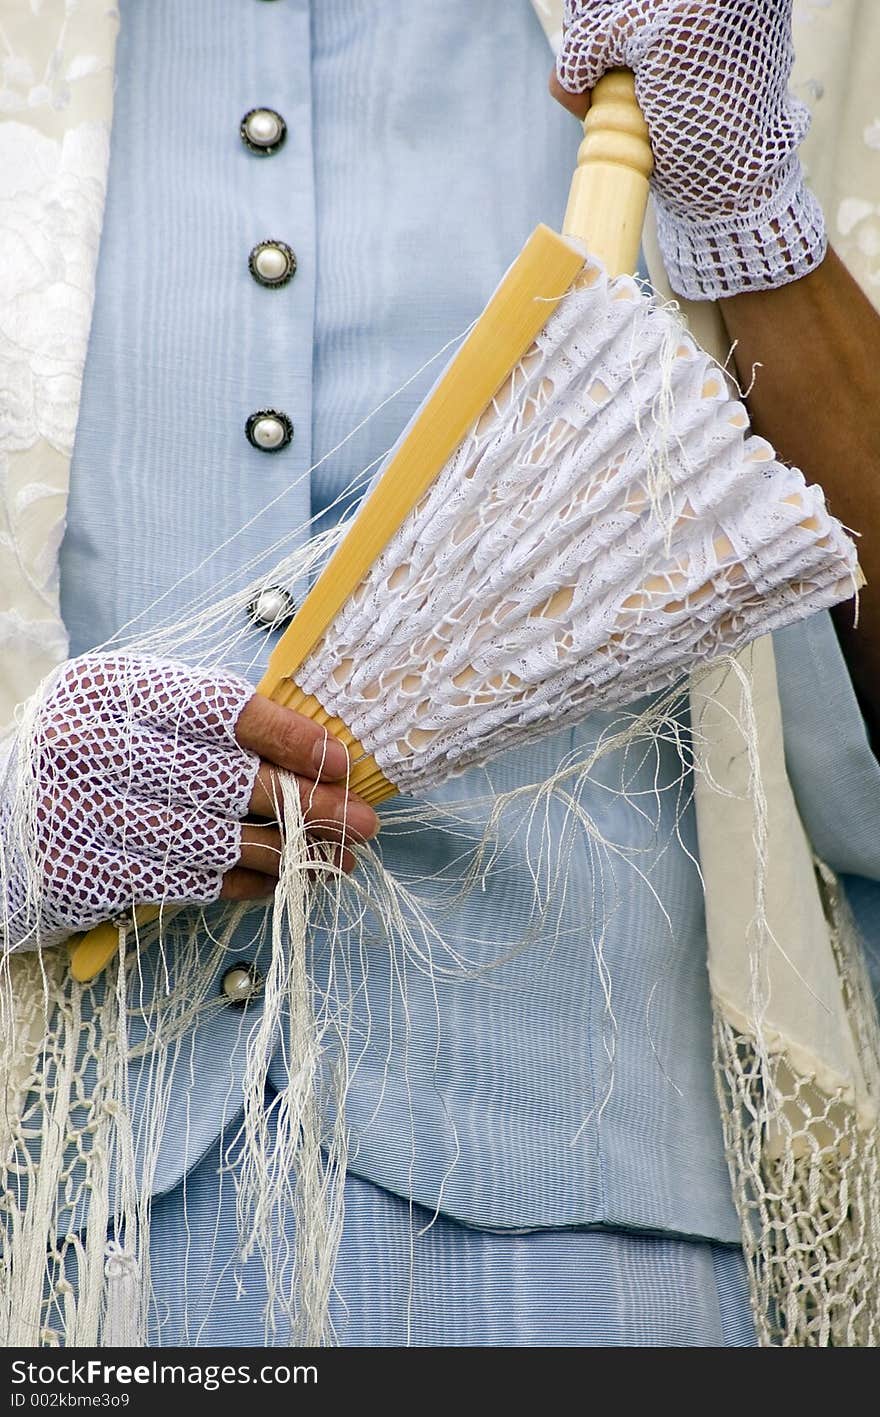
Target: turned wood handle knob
[{"x": 609, "y": 189}]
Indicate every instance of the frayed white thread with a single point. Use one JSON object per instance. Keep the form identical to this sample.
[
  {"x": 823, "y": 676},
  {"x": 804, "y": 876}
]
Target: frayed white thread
[{"x": 299, "y": 1171}]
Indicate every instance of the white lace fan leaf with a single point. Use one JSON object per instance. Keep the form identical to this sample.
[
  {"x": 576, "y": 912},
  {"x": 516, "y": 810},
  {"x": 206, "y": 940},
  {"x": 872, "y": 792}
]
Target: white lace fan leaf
[{"x": 607, "y": 526}]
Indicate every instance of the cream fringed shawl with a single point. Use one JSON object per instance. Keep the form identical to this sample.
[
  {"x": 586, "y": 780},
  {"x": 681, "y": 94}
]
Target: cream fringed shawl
[
  {"x": 795, "y": 1029},
  {"x": 796, "y": 1035}
]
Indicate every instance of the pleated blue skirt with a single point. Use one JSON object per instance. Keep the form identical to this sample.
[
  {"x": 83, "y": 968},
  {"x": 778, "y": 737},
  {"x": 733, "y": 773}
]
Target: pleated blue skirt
[{"x": 399, "y": 1283}]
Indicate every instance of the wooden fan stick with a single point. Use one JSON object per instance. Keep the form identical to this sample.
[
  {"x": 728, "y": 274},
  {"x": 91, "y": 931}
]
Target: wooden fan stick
[
  {"x": 609, "y": 190},
  {"x": 605, "y": 212}
]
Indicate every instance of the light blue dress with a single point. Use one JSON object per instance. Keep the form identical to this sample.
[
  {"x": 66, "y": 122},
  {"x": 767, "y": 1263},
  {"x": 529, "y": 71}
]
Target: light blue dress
[{"x": 421, "y": 150}]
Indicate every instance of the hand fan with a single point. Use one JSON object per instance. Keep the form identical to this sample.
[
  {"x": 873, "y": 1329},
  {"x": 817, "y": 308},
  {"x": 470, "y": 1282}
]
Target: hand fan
[{"x": 576, "y": 516}]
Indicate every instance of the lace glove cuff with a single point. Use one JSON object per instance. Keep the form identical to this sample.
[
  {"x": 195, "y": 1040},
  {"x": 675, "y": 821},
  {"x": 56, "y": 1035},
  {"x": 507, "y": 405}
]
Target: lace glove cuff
[{"x": 710, "y": 260}]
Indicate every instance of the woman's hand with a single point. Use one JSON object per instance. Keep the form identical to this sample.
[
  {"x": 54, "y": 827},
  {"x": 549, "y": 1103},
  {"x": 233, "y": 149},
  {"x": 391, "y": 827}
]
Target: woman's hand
[
  {"x": 287, "y": 741},
  {"x": 142, "y": 775},
  {"x": 733, "y": 212}
]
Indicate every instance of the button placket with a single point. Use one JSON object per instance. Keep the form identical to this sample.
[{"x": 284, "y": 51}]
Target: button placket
[{"x": 272, "y": 263}]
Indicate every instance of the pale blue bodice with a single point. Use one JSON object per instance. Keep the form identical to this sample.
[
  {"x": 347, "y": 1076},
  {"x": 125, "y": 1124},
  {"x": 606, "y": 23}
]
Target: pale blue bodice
[{"x": 421, "y": 149}]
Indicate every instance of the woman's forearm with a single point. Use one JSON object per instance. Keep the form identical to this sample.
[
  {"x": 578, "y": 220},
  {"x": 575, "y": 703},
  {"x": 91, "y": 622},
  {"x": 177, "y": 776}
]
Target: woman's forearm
[{"x": 816, "y": 397}]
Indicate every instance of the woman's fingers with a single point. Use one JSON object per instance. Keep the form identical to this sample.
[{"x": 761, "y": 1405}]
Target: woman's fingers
[
  {"x": 328, "y": 811},
  {"x": 260, "y": 861},
  {"x": 242, "y": 884},
  {"x": 260, "y": 849},
  {"x": 266, "y": 799},
  {"x": 344, "y": 859},
  {"x": 289, "y": 740},
  {"x": 336, "y": 815},
  {"x": 576, "y": 103}
]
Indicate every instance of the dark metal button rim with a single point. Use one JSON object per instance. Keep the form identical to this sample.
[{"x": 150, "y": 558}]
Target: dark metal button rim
[
  {"x": 282, "y": 618},
  {"x": 254, "y": 419},
  {"x": 255, "y": 975},
  {"x": 262, "y": 149},
  {"x": 291, "y": 263}
]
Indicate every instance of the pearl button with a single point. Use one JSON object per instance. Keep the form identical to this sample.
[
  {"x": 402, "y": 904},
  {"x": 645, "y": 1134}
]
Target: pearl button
[
  {"x": 272, "y": 607},
  {"x": 263, "y": 130},
  {"x": 240, "y": 983},
  {"x": 268, "y": 430},
  {"x": 272, "y": 263}
]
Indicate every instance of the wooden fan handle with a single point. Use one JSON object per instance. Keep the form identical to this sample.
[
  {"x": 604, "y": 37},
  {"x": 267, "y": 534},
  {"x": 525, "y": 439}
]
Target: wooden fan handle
[{"x": 609, "y": 189}]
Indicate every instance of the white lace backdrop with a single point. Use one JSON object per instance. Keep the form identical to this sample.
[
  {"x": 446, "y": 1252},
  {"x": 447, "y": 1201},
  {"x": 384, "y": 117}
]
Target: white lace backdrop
[{"x": 56, "y": 93}]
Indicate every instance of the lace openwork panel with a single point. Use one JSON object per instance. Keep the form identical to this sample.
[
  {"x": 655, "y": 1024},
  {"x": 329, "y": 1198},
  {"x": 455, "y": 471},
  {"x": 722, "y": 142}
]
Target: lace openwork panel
[{"x": 608, "y": 525}]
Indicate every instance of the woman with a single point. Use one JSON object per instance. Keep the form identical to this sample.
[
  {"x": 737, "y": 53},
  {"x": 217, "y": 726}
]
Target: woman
[{"x": 563, "y": 1140}]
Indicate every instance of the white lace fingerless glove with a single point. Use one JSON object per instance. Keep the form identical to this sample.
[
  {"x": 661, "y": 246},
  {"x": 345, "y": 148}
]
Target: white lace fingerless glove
[
  {"x": 733, "y": 210},
  {"x": 126, "y": 785}
]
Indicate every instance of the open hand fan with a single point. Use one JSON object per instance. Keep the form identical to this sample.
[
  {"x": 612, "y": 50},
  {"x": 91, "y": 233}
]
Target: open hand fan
[{"x": 576, "y": 517}]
